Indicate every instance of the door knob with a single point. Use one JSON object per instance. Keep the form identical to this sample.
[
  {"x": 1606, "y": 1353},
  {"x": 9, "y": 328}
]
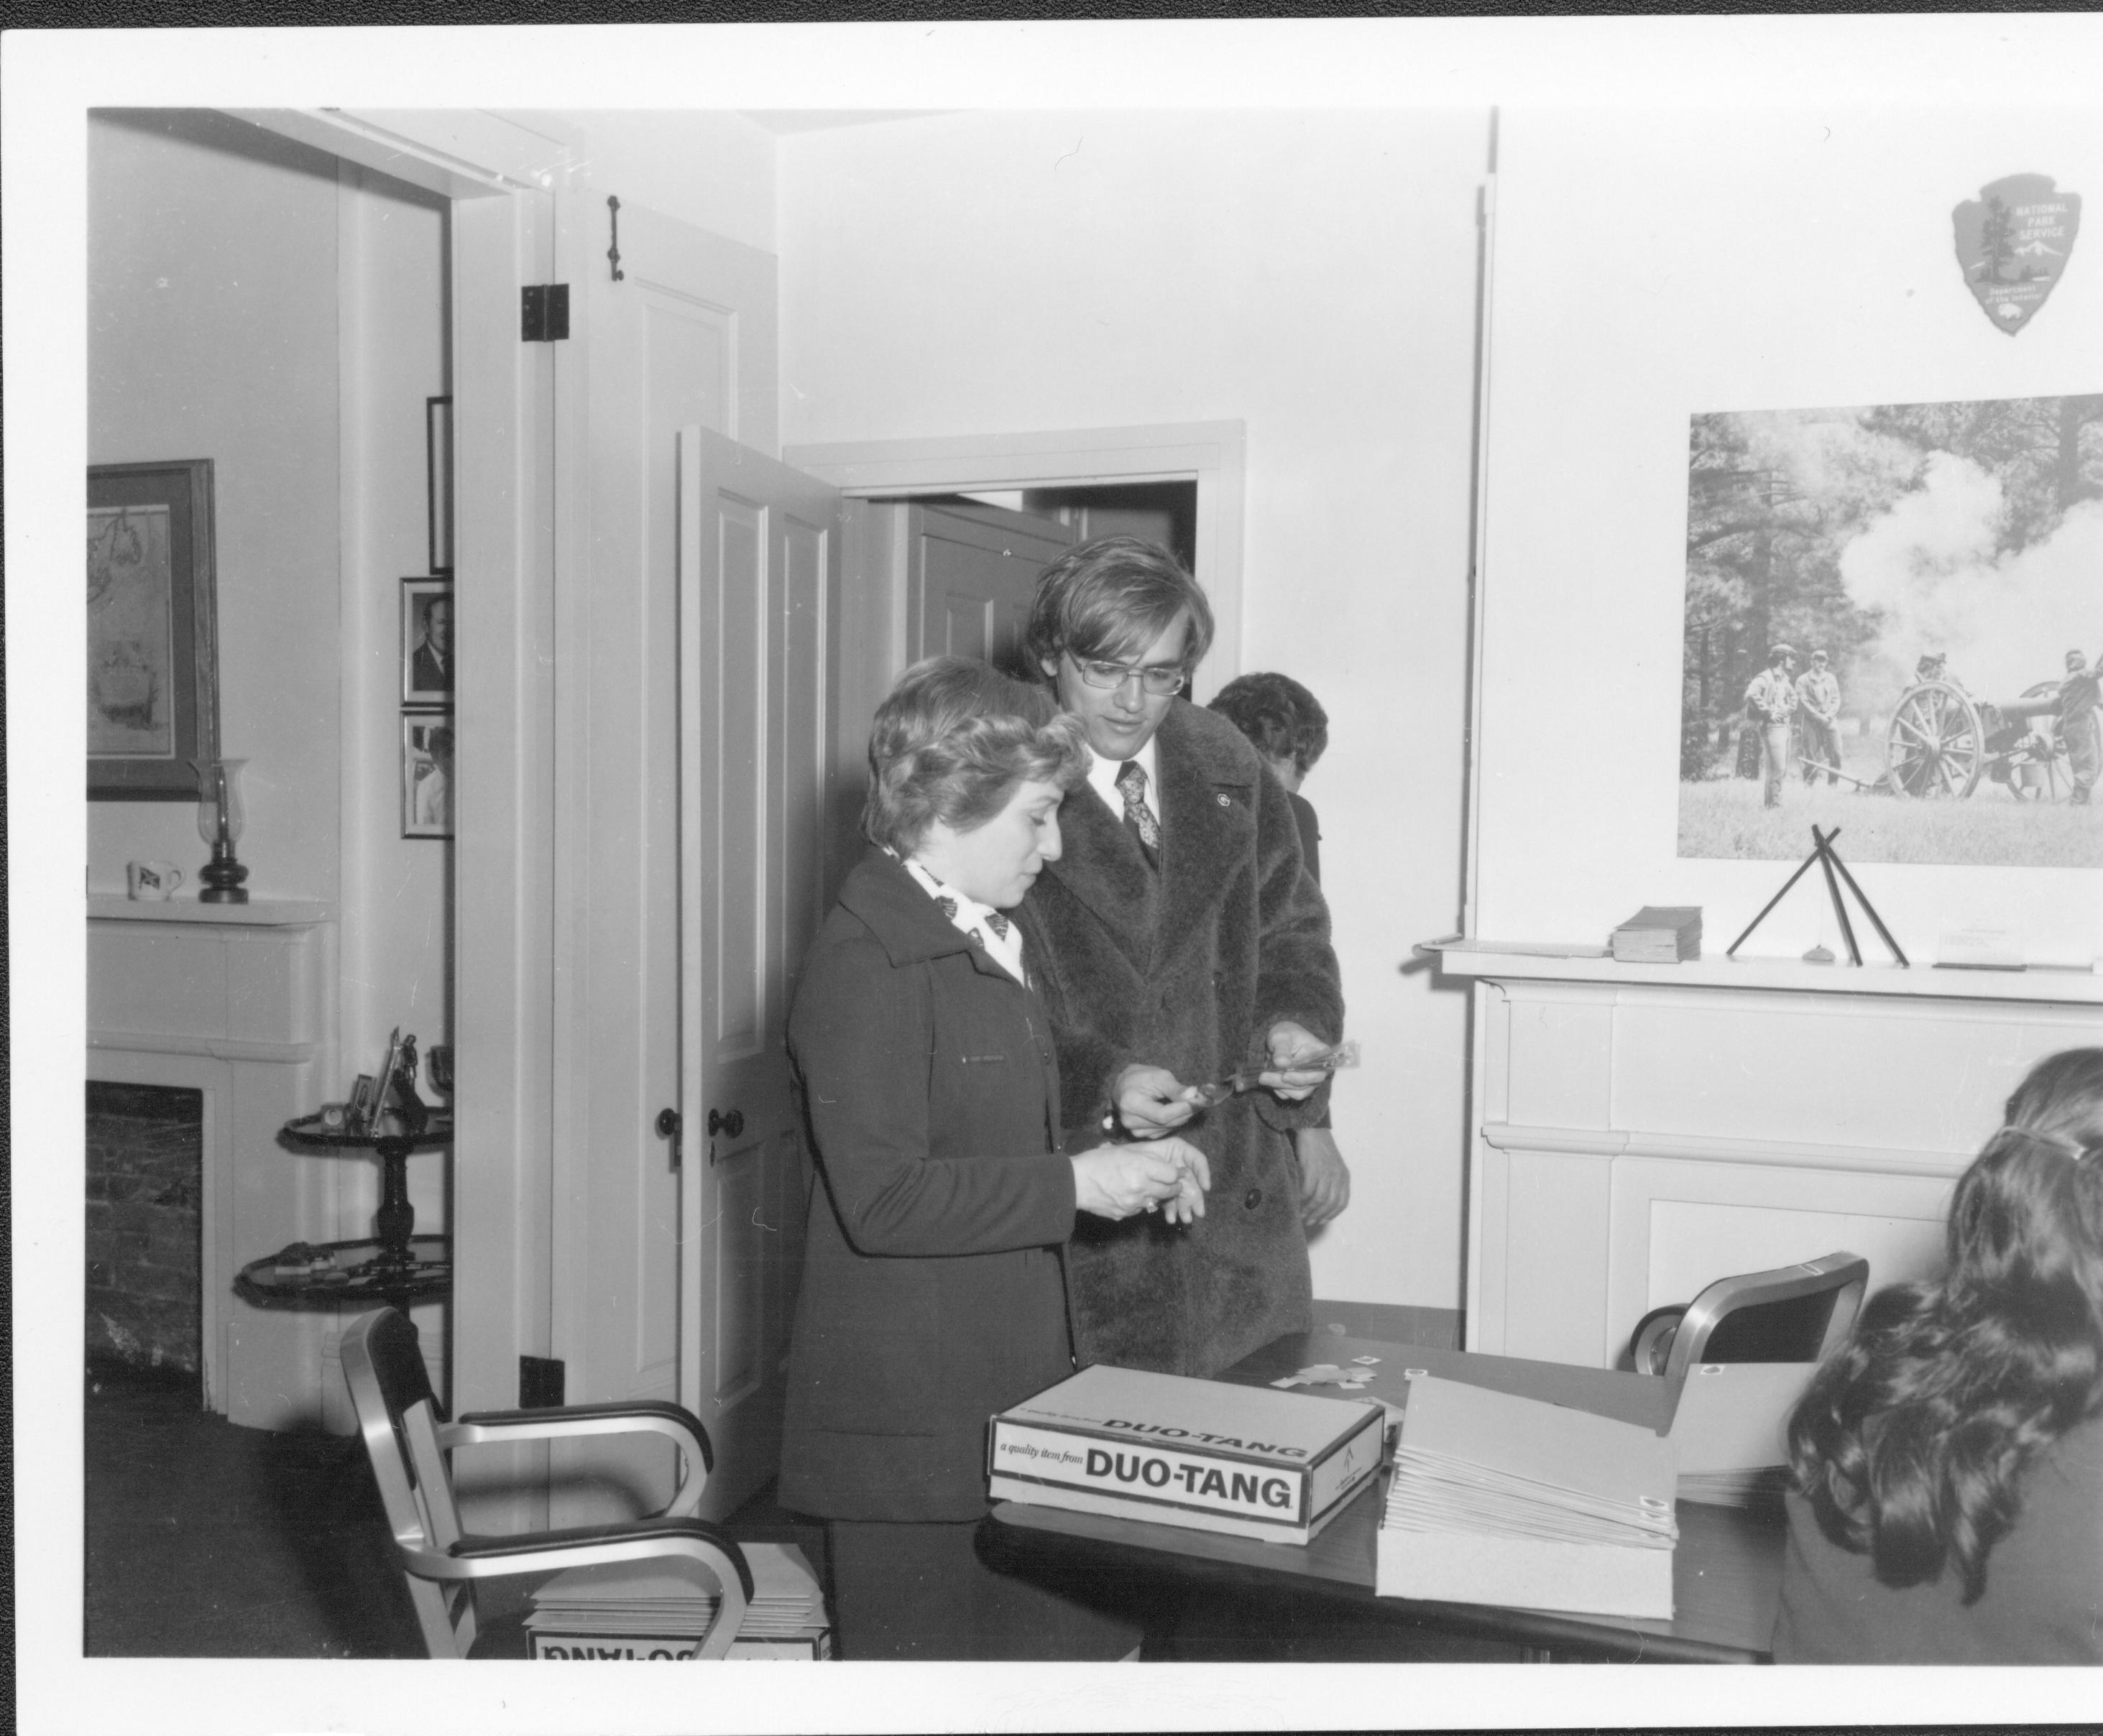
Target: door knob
[
  {"x": 732, "y": 1124},
  {"x": 668, "y": 1123}
]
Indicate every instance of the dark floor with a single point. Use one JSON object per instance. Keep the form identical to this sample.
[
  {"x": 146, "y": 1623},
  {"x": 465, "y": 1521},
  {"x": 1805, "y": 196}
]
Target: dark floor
[{"x": 209, "y": 1540}]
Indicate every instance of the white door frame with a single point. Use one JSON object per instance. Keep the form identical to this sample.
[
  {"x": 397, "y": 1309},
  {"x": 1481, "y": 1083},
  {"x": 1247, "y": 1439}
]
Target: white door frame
[
  {"x": 1211, "y": 454},
  {"x": 499, "y": 172}
]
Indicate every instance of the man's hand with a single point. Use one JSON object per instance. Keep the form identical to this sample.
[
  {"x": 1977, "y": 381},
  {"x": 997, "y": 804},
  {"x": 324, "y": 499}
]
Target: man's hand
[
  {"x": 1325, "y": 1179},
  {"x": 1151, "y": 1101},
  {"x": 1289, "y": 1042}
]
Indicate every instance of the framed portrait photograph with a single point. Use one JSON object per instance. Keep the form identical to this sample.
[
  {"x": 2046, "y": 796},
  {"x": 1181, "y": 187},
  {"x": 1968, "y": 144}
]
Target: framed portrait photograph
[
  {"x": 427, "y": 774},
  {"x": 152, "y": 662},
  {"x": 427, "y": 642},
  {"x": 438, "y": 460}
]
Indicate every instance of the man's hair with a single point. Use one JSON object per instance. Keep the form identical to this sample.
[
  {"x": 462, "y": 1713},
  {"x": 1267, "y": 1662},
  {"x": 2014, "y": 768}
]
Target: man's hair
[
  {"x": 952, "y": 740},
  {"x": 1281, "y": 718},
  {"x": 1112, "y": 598},
  {"x": 1911, "y": 1440},
  {"x": 439, "y": 741}
]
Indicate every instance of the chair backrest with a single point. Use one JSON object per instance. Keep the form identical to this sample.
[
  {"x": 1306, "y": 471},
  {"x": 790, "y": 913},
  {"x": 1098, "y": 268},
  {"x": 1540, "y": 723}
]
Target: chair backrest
[
  {"x": 398, "y": 1415},
  {"x": 1792, "y": 1314}
]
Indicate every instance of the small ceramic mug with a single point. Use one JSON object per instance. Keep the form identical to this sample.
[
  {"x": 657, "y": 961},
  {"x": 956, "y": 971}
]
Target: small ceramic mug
[{"x": 152, "y": 880}]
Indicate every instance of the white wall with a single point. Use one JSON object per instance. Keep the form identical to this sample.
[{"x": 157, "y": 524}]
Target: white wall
[
  {"x": 710, "y": 168},
  {"x": 247, "y": 305},
  {"x": 1313, "y": 275},
  {"x": 212, "y": 334},
  {"x": 1653, "y": 262}
]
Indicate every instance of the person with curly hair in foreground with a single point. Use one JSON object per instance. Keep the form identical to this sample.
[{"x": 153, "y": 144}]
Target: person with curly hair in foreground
[{"x": 1947, "y": 1462}]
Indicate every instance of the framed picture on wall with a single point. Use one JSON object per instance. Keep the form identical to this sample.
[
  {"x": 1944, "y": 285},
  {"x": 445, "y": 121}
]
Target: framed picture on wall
[
  {"x": 427, "y": 774},
  {"x": 153, "y": 660},
  {"x": 427, "y": 642},
  {"x": 438, "y": 460}
]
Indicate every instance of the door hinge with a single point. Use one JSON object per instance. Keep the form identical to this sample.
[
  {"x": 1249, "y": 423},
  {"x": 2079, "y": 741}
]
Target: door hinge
[
  {"x": 540, "y": 1382},
  {"x": 544, "y": 312}
]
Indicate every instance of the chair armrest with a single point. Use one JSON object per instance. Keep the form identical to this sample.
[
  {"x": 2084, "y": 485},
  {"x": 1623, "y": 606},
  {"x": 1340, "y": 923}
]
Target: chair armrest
[
  {"x": 594, "y": 1546},
  {"x": 641, "y": 1416}
]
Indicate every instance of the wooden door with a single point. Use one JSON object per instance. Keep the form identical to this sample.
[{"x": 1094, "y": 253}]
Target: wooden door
[
  {"x": 757, "y": 563},
  {"x": 969, "y": 574},
  {"x": 683, "y": 338}
]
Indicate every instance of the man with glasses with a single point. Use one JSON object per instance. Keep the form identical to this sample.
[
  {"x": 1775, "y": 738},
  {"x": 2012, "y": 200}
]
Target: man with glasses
[{"x": 1182, "y": 940}]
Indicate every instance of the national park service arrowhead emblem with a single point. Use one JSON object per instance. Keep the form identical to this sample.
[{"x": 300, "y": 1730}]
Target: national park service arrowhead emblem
[{"x": 2013, "y": 241}]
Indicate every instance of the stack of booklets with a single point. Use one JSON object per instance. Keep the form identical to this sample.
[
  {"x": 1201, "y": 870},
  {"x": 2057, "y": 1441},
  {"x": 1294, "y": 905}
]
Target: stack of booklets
[
  {"x": 1659, "y": 934},
  {"x": 650, "y": 1609},
  {"x": 1498, "y": 1499},
  {"x": 1729, "y": 1430},
  {"x": 1249, "y": 1461}
]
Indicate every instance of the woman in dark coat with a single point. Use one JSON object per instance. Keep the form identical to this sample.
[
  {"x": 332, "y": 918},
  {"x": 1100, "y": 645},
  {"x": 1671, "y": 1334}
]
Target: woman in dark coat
[{"x": 933, "y": 1289}]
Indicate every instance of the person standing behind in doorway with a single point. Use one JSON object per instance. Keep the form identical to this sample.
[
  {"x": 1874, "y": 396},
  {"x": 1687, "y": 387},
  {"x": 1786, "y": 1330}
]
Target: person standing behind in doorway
[
  {"x": 1772, "y": 701},
  {"x": 1818, "y": 705},
  {"x": 1290, "y": 731},
  {"x": 1182, "y": 941}
]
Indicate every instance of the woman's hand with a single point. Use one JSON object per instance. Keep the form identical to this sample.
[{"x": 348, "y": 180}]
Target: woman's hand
[
  {"x": 1168, "y": 1175},
  {"x": 1151, "y": 1101}
]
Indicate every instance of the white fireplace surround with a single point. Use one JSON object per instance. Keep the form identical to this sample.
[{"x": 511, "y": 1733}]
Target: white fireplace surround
[
  {"x": 235, "y": 1001},
  {"x": 1639, "y": 1131}
]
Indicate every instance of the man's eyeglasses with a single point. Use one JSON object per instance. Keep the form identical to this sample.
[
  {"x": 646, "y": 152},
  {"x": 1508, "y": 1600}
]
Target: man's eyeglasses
[{"x": 1159, "y": 682}]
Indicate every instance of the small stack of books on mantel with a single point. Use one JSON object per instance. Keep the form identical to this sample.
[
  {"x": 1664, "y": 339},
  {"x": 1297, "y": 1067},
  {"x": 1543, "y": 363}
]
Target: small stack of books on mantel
[
  {"x": 1497, "y": 1499},
  {"x": 1659, "y": 934},
  {"x": 648, "y": 1610},
  {"x": 1249, "y": 1461}
]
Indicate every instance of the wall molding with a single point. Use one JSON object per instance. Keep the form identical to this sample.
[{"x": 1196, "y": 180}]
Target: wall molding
[{"x": 1587, "y": 1141}]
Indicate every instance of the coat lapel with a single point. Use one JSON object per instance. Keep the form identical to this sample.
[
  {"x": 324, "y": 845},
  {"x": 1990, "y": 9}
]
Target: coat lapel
[
  {"x": 1207, "y": 802},
  {"x": 1101, "y": 866}
]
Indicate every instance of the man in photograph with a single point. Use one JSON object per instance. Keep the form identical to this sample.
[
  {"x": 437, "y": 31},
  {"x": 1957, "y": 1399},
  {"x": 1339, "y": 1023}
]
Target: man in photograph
[
  {"x": 1771, "y": 700},
  {"x": 431, "y": 664},
  {"x": 1181, "y": 940},
  {"x": 2080, "y": 726},
  {"x": 1818, "y": 706}
]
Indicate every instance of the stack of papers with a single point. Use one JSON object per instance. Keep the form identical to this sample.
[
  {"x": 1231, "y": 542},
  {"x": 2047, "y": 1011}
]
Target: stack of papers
[
  {"x": 649, "y": 1609},
  {"x": 1729, "y": 1430},
  {"x": 1659, "y": 934},
  {"x": 1497, "y": 1499}
]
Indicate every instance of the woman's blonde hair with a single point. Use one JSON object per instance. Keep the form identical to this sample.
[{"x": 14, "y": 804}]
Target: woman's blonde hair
[{"x": 952, "y": 740}]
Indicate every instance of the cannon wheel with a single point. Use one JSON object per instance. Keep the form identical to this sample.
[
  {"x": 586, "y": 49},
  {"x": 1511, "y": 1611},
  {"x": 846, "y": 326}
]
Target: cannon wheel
[{"x": 1937, "y": 745}]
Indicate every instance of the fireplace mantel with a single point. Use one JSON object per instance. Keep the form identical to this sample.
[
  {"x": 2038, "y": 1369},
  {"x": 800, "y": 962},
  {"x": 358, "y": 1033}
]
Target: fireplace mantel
[
  {"x": 236, "y": 1001},
  {"x": 1640, "y": 1131}
]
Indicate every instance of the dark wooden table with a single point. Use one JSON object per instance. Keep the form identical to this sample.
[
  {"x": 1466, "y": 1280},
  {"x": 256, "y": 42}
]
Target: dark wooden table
[{"x": 1726, "y": 1575}]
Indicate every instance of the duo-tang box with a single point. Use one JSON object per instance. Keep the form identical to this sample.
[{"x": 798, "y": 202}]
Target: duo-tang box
[{"x": 1250, "y": 1461}]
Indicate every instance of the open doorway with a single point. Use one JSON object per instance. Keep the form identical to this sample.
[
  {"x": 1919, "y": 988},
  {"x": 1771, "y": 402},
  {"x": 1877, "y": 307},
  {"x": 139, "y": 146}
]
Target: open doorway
[{"x": 967, "y": 563}]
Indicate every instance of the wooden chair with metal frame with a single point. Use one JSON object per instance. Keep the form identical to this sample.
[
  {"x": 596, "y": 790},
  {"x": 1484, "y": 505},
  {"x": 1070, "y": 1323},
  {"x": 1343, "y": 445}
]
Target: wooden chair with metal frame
[
  {"x": 409, "y": 1442},
  {"x": 1791, "y": 1314}
]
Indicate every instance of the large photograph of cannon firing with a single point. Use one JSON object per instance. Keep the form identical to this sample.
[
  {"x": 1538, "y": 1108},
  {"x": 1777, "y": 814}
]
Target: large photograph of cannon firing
[{"x": 1894, "y": 621}]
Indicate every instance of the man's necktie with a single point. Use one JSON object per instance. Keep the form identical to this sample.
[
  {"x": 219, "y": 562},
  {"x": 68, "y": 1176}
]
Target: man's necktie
[{"x": 1131, "y": 785}]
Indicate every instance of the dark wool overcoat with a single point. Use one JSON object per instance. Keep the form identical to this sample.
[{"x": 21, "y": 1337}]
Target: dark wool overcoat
[
  {"x": 932, "y": 1291},
  {"x": 1187, "y": 968}
]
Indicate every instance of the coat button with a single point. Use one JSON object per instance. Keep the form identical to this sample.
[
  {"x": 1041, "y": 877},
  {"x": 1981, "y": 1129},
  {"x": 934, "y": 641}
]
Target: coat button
[{"x": 1253, "y": 1199}]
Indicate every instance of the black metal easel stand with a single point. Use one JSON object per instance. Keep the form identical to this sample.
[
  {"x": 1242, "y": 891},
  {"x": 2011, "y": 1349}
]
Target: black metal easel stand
[{"x": 1836, "y": 872}]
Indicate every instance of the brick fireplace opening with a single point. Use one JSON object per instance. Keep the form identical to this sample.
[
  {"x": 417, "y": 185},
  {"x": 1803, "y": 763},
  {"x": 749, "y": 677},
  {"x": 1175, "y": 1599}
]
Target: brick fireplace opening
[{"x": 146, "y": 1180}]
